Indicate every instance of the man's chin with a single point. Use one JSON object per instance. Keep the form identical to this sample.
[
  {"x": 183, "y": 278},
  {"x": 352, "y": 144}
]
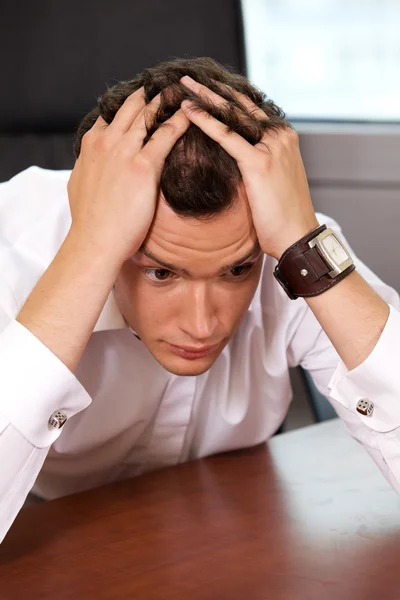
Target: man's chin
[{"x": 187, "y": 368}]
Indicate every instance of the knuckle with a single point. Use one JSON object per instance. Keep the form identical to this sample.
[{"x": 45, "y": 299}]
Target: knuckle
[
  {"x": 94, "y": 141},
  {"x": 168, "y": 127},
  {"x": 226, "y": 130},
  {"x": 130, "y": 101},
  {"x": 142, "y": 162},
  {"x": 124, "y": 150},
  {"x": 265, "y": 161},
  {"x": 102, "y": 143},
  {"x": 293, "y": 135},
  {"x": 261, "y": 162},
  {"x": 87, "y": 139},
  {"x": 131, "y": 97}
]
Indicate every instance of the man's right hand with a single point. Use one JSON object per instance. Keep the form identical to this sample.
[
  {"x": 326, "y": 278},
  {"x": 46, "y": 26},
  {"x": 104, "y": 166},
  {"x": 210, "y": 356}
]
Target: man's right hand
[
  {"x": 113, "y": 192},
  {"x": 114, "y": 186}
]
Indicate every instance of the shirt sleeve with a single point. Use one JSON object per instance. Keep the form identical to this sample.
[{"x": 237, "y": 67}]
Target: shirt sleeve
[
  {"x": 33, "y": 384},
  {"x": 376, "y": 379}
]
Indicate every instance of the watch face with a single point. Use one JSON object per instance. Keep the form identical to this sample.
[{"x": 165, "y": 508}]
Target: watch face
[{"x": 334, "y": 249}]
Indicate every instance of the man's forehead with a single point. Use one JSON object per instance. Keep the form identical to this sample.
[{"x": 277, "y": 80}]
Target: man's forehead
[
  {"x": 227, "y": 228},
  {"x": 191, "y": 244}
]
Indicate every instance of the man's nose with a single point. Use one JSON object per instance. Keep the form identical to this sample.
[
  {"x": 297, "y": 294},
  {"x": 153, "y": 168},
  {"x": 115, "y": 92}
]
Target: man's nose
[{"x": 199, "y": 320}]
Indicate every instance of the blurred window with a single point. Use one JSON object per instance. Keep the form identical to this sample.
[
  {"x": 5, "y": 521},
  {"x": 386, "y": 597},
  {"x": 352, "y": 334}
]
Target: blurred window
[{"x": 326, "y": 59}]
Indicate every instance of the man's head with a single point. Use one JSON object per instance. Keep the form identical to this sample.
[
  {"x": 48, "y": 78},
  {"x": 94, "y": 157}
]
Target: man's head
[{"x": 186, "y": 287}]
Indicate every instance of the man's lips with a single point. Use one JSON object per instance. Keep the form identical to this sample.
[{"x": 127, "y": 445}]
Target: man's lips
[
  {"x": 195, "y": 348},
  {"x": 192, "y": 352}
]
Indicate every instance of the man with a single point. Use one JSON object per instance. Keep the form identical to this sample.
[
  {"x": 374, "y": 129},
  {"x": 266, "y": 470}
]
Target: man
[{"x": 148, "y": 316}]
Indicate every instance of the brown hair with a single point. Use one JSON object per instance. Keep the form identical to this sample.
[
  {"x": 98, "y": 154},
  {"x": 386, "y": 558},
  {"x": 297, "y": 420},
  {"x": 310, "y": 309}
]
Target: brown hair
[{"x": 199, "y": 178}]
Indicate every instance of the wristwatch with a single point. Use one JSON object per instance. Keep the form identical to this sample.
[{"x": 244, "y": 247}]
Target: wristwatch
[{"x": 314, "y": 264}]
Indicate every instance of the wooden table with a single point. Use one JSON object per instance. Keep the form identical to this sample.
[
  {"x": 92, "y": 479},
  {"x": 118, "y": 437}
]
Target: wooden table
[{"x": 307, "y": 517}]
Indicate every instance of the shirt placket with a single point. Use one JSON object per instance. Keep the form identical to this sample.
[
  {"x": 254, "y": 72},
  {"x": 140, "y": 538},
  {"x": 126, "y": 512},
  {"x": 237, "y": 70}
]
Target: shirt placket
[{"x": 172, "y": 422}]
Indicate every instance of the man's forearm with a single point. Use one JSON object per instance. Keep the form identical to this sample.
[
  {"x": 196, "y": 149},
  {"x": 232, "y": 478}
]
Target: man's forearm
[
  {"x": 65, "y": 304},
  {"x": 353, "y": 316}
]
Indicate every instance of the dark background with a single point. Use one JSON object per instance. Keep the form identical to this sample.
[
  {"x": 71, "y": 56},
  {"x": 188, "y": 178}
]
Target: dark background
[{"x": 58, "y": 56}]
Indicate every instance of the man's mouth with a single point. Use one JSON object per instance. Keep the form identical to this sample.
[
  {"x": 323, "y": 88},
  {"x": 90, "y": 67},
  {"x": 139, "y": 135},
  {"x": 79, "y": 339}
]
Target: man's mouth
[{"x": 192, "y": 352}]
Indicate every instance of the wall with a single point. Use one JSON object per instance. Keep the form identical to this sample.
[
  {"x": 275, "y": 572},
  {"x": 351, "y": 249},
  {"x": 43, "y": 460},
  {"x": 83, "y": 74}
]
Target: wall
[{"x": 354, "y": 177}]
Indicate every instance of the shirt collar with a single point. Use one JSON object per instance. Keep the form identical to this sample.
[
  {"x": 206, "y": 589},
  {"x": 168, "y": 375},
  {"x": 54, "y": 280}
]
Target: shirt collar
[{"x": 110, "y": 317}]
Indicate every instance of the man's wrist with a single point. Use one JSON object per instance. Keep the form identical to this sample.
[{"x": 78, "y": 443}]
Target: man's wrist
[
  {"x": 93, "y": 254},
  {"x": 291, "y": 236}
]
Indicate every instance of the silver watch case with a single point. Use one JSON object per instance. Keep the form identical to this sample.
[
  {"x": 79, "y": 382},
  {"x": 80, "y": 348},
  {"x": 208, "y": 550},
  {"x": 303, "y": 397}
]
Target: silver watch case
[{"x": 332, "y": 251}]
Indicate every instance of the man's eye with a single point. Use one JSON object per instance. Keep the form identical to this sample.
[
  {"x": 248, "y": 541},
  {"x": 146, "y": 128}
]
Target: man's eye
[
  {"x": 239, "y": 271},
  {"x": 158, "y": 274}
]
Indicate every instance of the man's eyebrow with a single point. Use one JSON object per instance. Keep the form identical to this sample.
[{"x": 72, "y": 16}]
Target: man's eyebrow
[
  {"x": 164, "y": 264},
  {"x": 256, "y": 249}
]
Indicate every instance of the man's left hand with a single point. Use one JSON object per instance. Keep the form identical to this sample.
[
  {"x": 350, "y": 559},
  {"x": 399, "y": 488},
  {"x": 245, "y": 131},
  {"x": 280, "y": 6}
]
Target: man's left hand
[{"x": 273, "y": 173}]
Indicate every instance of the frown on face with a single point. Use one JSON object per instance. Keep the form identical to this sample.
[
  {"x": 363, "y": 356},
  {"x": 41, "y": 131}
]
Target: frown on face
[{"x": 190, "y": 284}]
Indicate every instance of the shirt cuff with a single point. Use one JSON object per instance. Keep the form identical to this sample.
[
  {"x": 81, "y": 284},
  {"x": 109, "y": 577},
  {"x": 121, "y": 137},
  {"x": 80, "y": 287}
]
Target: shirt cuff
[
  {"x": 376, "y": 379},
  {"x": 34, "y": 383}
]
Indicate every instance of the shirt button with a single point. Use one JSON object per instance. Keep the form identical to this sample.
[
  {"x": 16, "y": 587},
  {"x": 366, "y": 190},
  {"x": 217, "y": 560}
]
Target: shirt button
[
  {"x": 57, "y": 419},
  {"x": 365, "y": 407}
]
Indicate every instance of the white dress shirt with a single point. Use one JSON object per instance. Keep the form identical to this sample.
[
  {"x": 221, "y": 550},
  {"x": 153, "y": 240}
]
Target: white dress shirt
[{"x": 126, "y": 413}]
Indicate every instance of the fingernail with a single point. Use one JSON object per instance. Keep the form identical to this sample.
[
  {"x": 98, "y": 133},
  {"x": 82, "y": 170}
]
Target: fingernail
[
  {"x": 188, "y": 80},
  {"x": 186, "y": 104}
]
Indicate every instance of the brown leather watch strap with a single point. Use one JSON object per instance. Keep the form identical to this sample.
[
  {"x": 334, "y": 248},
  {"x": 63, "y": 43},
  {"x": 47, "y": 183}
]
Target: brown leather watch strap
[{"x": 303, "y": 272}]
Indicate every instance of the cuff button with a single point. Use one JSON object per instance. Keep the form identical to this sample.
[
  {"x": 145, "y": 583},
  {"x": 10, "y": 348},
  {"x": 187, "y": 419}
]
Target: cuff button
[
  {"x": 365, "y": 407},
  {"x": 57, "y": 419}
]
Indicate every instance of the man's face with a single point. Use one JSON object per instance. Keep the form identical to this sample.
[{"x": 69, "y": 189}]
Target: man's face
[{"x": 188, "y": 287}]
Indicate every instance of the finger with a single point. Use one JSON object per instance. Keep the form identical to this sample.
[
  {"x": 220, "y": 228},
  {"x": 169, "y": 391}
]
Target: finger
[
  {"x": 163, "y": 140},
  {"x": 269, "y": 141},
  {"x": 230, "y": 141},
  {"x": 252, "y": 108},
  {"x": 274, "y": 139},
  {"x": 138, "y": 127},
  {"x": 99, "y": 124},
  {"x": 204, "y": 91},
  {"x": 128, "y": 112},
  {"x": 138, "y": 130}
]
